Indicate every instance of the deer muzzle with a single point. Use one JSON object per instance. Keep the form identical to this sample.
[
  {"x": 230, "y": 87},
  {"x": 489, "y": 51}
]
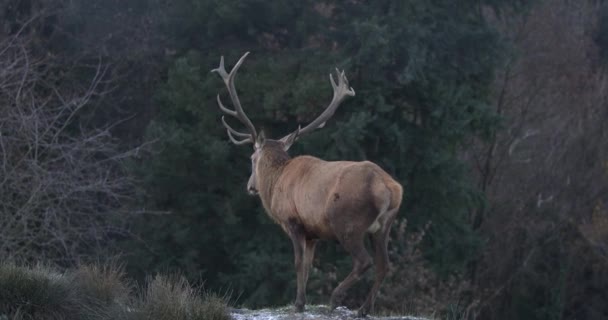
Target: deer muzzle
[{"x": 252, "y": 191}]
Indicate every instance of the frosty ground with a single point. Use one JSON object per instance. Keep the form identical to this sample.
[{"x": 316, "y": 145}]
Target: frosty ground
[{"x": 319, "y": 312}]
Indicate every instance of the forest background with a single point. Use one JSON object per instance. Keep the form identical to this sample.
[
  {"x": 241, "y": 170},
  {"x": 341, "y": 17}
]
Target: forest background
[{"x": 491, "y": 113}]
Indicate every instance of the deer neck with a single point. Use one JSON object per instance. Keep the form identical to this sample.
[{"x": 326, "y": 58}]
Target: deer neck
[{"x": 268, "y": 172}]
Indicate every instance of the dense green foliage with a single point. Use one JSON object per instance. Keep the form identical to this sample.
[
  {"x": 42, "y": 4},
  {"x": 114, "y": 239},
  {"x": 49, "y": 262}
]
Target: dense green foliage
[{"x": 421, "y": 72}]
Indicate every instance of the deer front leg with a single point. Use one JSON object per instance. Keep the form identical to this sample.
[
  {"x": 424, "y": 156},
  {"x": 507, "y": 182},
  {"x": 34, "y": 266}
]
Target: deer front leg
[
  {"x": 299, "y": 249},
  {"x": 303, "y": 262},
  {"x": 309, "y": 254},
  {"x": 299, "y": 264}
]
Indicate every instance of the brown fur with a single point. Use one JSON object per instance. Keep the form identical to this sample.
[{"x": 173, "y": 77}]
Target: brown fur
[{"x": 315, "y": 199}]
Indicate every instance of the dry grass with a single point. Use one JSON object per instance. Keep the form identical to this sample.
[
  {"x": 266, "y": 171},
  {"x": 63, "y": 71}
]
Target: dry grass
[
  {"x": 36, "y": 293},
  {"x": 174, "y": 298},
  {"x": 98, "y": 293}
]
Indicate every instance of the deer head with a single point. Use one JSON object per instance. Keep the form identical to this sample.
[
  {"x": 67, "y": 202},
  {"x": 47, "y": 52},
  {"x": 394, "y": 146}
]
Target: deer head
[{"x": 341, "y": 91}]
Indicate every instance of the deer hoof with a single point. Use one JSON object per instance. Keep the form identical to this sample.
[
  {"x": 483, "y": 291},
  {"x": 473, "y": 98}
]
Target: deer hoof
[
  {"x": 363, "y": 311},
  {"x": 335, "y": 301},
  {"x": 299, "y": 307},
  {"x": 332, "y": 305}
]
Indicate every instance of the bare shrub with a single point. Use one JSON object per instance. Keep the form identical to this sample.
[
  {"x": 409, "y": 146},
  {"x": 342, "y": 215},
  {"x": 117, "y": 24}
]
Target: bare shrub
[
  {"x": 416, "y": 288},
  {"x": 63, "y": 184},
  {"x": 595, "y": 229}
]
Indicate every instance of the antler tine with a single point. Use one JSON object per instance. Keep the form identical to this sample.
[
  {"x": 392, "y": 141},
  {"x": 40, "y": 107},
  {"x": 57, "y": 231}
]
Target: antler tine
[
  {"x": 226, "y": 110},
  {"x": 238, "y": 110},
  {"x": 238, "y": 142},
  {"x": 341, "y": 91},
  {"x": 231, "y": 130}
]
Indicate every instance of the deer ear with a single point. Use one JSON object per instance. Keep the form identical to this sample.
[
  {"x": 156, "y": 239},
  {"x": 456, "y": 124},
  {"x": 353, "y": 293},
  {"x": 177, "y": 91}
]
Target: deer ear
[
  {"x": 290, "y": 139},
  {"x": 260, "y": 140}
]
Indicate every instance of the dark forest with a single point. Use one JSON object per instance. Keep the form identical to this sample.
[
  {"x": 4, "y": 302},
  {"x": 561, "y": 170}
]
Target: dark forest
[{"x": 492, "y": 115}]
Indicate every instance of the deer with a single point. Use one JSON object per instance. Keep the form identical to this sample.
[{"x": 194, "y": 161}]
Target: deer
[{"x": 312, "y": 199}]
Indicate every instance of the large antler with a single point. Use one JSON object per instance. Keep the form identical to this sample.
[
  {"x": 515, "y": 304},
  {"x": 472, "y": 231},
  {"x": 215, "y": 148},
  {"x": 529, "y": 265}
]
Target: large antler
[
  {"x": 341, "y": 90},
  {"x": 238, "y": 110}
]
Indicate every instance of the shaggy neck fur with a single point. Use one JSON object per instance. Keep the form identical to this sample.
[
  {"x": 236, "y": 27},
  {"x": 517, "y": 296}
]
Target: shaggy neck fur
[{"x": 270, "y": 165}]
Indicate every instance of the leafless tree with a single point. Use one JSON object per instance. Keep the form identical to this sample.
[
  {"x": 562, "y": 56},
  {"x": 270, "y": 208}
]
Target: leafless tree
[{"x": 544, "y": 173}]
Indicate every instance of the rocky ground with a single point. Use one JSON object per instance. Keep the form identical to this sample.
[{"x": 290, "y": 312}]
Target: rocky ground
[{"x": 319, "y": 312}]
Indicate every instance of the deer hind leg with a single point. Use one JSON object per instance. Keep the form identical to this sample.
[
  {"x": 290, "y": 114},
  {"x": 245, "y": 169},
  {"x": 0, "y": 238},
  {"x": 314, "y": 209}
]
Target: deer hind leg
[
  {"x": 361, "y": 263},
  {"x": 381, "y": 262}
]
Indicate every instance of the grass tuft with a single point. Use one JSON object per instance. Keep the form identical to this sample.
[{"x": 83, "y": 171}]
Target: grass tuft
[
  {"x": 174, "y": 298},
  {"x": 38, "y": 292},
  {"x": 100, "y": 293},
  {"x": 103, "y": 291}
]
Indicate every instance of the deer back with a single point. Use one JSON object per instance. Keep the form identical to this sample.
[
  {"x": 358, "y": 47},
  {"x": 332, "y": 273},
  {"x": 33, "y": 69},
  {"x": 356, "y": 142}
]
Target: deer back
[{"x": 321, "y": 195}]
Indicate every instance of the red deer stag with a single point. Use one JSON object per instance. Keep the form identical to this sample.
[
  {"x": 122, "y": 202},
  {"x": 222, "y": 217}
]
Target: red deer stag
[{"x": 313, "y": 199}]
